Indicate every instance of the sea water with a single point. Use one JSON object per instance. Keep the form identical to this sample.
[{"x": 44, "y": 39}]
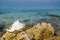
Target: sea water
[{"x": 28, "y": 15}]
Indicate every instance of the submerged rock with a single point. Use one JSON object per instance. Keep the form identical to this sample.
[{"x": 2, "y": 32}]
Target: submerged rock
[
  {"x": 57, "y": 33},
  {"x": 38, "y": 32},
  {"x": 2, "y": 28},
  {"x": 53, "y": 15},
  {"x": 26, "y": 20}
]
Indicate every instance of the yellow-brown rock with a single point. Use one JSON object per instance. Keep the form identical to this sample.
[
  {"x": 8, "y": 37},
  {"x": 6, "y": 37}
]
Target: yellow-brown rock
[
  {"x": 22, "y": 36},
  {"x": 38, "y": 32},
  {"x": 7, "y": 36},
  {"x": 34, "y": 33},
  {"x": 54, "y": 38},
  {"x": 57, "y": 38},
  {"x": 44, "y": 30},
  {"x": 47, "y": 31},
  {"x": 1, "y": 35}
]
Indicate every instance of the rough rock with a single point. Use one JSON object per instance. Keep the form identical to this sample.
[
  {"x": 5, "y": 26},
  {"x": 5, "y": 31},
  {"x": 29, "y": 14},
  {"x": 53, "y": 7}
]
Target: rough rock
[
  {"x": 54, "y": 38},
  {"x": 38, "y": 32},
  {"x": 43, "y": 31},
  {"x": 22, "y": 36},
  {"x": 1, "y": 35},
  {"x": 7, "y": 36}
]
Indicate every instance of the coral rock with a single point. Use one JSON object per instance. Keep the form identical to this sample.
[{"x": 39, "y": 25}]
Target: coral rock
[
  {"x": 7, "y": 36},
  {"x": 22, "y": 36},
  {"x": 44, "y": 30},
  {"x": 38, "y": 32}
]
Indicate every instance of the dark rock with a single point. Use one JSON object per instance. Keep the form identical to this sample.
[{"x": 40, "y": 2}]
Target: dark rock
[
  {"x": 53, "y": 15},
  {"x": 42, "y": 20},
  {"x": 2, "y": 28},
  {"x": 1, "y": 12},
  {"x": 26, "y": 20}
]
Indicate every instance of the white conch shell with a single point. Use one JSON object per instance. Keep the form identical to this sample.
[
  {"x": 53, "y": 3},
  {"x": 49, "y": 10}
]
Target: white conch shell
[{"x": 16, "y": 26}]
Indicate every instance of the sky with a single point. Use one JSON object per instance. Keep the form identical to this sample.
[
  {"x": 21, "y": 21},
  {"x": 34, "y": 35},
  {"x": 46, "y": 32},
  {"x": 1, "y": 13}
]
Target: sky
[{"x": 30, "y": 3}]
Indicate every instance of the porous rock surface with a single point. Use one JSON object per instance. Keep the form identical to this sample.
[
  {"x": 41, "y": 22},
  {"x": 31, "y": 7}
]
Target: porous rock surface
[{"x": 37, "y": 32}]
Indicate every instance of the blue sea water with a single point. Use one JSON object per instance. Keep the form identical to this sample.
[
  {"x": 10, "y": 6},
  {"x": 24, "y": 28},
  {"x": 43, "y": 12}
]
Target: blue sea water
[{"x": 28, "y": 15}]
